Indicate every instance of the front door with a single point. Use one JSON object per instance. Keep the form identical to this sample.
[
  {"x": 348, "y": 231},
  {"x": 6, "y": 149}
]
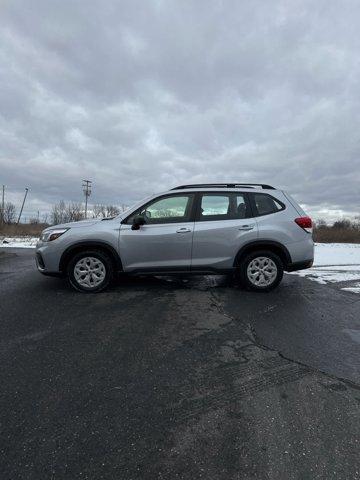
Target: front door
[{"x": 164, "y": 242}]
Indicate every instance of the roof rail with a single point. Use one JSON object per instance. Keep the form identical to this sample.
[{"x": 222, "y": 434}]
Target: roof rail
[{"x": 225, "y": 185}]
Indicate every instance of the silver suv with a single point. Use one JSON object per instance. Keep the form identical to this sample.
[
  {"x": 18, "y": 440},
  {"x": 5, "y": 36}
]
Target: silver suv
[{"x": 254, "y": 231}]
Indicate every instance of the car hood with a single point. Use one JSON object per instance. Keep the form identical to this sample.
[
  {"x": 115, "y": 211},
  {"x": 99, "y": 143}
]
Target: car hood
[{"x": 80, "y": 224}]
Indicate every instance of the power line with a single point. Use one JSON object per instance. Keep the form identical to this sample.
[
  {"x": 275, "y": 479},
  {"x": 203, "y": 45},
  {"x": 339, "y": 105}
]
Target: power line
[
  {"x": 87, "y": 192},
  {"x": 23, "y": 203},
  {"x": 3, "y": 204}
]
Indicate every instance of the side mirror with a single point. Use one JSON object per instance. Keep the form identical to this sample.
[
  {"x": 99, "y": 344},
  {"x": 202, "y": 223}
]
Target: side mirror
[{"x": 137, "y": 222}]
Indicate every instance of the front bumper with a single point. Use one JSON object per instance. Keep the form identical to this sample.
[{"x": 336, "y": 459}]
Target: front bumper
[
  {"x": 39, "y": 262},
  {"x": 47, "y": 257}
]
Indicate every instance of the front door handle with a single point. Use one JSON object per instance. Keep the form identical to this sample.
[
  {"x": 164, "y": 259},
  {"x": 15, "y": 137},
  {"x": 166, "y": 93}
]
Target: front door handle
[
  {"x": 183, "y": 230},
  {"x": 246, "y": 227}
]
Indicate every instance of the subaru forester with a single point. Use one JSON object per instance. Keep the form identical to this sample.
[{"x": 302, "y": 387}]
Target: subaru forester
[{"x": 251, "y": 230}]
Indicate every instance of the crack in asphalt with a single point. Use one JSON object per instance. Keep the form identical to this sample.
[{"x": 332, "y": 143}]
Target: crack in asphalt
[{"x": 253, "y": 338}]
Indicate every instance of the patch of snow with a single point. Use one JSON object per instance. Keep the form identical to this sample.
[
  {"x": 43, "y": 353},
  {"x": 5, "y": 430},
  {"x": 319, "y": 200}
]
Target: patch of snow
[
  {"x": 323, "y": 276},
  {"x": 337, "y": 254},
  {"x": 355, "y": 288},
  {"x": 339, "y": 268},
  {"x": 18, "y": 242},
  {"x": 334, "y": 263}
]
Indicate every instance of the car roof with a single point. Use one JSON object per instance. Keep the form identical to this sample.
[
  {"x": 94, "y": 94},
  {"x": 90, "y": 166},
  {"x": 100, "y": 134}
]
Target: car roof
[
  {"x": 220, "y": 189},
  {"x": 225, "y": 185}
]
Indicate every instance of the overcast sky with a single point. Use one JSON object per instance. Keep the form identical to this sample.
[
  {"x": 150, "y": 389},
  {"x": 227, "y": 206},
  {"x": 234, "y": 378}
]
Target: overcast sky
[{"x": 140, "y": 96}]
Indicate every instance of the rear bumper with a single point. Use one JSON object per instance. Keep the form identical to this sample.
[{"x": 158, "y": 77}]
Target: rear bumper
[{"x": 292, "y": 267}]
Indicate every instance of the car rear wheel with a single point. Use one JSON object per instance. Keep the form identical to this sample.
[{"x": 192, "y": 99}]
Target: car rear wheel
[
  {"x": 261, "y": 271},
  {"x": 90, "y": 271}
]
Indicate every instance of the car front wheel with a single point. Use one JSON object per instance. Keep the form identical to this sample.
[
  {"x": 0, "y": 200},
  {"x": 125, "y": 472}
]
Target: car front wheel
[
  {"x": 261, "y": 271},
  {"x": 90, "y": 271}
]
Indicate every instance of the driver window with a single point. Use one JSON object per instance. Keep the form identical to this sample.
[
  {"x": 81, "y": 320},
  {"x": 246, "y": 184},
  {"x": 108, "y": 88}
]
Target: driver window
[{"x": 167, "y": 210}]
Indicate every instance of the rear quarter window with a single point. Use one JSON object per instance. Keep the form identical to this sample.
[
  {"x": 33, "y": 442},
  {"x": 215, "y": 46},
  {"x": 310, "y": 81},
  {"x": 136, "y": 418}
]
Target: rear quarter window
[{"x": 264, "y": 204}]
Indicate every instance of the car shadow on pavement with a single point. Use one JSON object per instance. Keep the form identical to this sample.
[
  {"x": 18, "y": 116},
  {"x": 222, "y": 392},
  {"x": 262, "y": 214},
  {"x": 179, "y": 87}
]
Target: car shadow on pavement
[{"x": 203, "y": 282}]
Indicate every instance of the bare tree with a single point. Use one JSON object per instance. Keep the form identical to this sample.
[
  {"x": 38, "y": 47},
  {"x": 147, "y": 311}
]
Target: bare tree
[
  {"x": 74, "y": 212},
  {"x": 9, "y": 213},
  {"x": 112, "y": 210},
  {"x": 343, "y": 224},
  {"x": 98, "y": 211},
  {"x": 123, "y": 207},
  {"x": 58, "y": 213},
  {"x": 103, "y": 211},
  {"x": 63, "y": 213}
]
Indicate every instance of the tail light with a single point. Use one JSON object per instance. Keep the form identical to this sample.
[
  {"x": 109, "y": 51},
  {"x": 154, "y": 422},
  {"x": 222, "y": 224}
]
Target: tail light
[{"x": 305, "y": 223}]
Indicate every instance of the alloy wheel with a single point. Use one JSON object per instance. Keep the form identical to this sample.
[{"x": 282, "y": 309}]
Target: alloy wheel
[
  {"x": 262, "y": 271},
  {"x": 89, "y": 272}
]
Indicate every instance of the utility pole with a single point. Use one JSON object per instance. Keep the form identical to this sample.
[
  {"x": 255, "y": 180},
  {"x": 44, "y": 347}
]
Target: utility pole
[
  {"x": 22, "y": 206},
  {"x": 87, "y": 192},
  {"x": 2, "y": 205}
]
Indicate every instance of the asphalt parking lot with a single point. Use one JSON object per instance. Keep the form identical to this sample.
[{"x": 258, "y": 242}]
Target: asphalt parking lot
[{"x": 165, "y": 378}]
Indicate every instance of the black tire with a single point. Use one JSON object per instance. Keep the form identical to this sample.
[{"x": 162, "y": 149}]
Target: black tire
[
  {"x": 107, "y": 272},
  {"x": 247, "y": 282}
]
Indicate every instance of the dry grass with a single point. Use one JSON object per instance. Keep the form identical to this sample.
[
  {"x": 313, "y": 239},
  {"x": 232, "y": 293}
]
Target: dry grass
[
  {"x": 22, "y": 230},
  {"x": 336, "y": 235}
]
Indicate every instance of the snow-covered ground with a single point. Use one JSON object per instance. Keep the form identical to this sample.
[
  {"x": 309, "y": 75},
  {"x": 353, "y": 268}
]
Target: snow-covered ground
[
  {"x": 335, "y": 263},
  {"x": 337, "y": 254},
  {"x": 18, "y": 242}
]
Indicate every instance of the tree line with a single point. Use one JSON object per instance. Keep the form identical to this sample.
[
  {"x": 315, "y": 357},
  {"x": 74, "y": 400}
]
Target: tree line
[
  {"x": 342, "y": 231},
  {"x": 61, "y": 212},
  {"x": 72, "y": 212}
]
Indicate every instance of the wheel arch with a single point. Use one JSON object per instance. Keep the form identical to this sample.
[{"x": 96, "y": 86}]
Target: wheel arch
[
  {"x": 275, "y": 247},
  {"x": 89, "y": 244}
]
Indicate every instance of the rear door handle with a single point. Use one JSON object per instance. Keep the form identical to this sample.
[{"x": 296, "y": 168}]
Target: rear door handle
[
  {"x": 246, "y": 227},
  {"x": 183, "y": 230}
]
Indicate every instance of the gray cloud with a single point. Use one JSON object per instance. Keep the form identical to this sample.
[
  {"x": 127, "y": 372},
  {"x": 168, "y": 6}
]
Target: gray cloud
[{"x": 141, "y": 96}]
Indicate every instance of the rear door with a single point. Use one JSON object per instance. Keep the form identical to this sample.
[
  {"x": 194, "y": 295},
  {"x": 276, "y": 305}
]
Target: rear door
[
  {"x": 223, "y": 224},
  {"x": 165, "y": 241}
]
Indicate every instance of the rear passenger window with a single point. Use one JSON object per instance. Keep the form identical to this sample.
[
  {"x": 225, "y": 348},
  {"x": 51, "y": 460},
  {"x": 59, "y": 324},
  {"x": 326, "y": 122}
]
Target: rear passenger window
[
  {"x": 265, "y": 204},
  {"x": 215, "y": 205},
  {"x": 223, "y": 207},
  {"x": 241, "y": 207}
]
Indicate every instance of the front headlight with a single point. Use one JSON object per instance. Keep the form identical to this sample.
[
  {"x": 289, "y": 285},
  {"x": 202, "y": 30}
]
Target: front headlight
[{"x": 51, "y": 235}]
